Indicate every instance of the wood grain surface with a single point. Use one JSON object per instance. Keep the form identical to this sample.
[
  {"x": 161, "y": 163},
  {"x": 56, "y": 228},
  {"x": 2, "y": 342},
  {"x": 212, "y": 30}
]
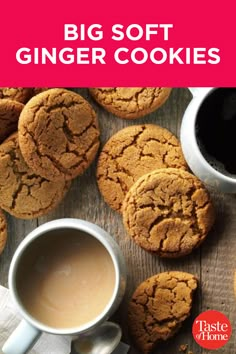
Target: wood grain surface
[{"x": 213, "y": 263}]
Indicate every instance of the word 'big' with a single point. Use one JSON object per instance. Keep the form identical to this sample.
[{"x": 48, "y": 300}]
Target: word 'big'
[{"x": 134, "y": 32}]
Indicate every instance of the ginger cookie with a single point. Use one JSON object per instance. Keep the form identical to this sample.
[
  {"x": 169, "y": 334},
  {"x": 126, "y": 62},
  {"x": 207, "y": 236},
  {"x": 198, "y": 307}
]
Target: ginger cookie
[
  {"x": 58, "y": 134},
  {"x": 158, "y": 308},
  {"x": 23, "y": 193},
  {"x": 168, "y": 212},
  {"x": 3, "y": 231},
  {"x": 9, "y": 115},
  {"x": 131, "y": 153},
  {"x": 19, "y": 94},
  {"x": 130, "y": 102}
]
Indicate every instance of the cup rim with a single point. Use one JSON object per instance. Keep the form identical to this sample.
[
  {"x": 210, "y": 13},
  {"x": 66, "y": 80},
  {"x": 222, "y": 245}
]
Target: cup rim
[
  {"x": 70, "y": 223},
  {"x": 215, "y": 172}
]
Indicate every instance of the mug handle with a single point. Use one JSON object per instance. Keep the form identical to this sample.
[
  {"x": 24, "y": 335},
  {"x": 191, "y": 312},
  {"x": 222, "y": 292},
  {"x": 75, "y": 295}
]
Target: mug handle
[
  {"x": 22, "y": 339},
  {"x": 197, "y": 91}
]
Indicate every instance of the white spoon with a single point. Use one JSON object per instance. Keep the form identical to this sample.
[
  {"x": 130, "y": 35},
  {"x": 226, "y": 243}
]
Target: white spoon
[{"x": 102, "y": 340}]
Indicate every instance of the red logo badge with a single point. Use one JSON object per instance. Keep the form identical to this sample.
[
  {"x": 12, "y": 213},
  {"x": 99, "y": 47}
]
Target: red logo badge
[{"x": 211, "y": 329}]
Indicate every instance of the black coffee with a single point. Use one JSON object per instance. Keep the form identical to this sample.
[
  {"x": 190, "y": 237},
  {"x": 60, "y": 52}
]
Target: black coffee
[{"x": 216, "y": 129}]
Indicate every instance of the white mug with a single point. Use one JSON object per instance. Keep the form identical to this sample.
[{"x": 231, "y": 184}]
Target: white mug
[
  {"x": 29, "y": 330},
  {"x": 193, "y": 155}
]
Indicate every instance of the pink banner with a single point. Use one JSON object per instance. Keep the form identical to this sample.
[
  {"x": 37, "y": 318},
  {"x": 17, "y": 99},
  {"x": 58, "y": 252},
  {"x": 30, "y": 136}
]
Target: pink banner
[{"x": 125, "y": 43}]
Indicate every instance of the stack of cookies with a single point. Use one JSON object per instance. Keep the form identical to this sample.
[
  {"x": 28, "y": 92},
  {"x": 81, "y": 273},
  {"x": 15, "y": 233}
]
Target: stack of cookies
[
  {"x": 46, "y": 141},
  {"x": 142, "y": 174}
]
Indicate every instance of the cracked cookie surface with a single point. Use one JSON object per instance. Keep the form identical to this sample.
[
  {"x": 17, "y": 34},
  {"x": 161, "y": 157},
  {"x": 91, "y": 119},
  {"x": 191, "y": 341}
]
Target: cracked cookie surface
[
  {"x": 131, "y": 153},
  {"x": 130, "y": 102},
  {"x": 9, "y": 115},
  {"x": 3, "y": 231},
  {"x": 168, "y": 212},
  {"x": 58, "y": 134},
  {"x": 19, "y": 94},
  {"x": 158, "y": 307},
  {"x": 23, "y": 193}
]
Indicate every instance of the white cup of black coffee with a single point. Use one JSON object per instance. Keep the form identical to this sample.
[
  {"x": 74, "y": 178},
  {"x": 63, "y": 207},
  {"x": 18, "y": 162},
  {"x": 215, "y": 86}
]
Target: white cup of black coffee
[{"x": 208, "y": 136}]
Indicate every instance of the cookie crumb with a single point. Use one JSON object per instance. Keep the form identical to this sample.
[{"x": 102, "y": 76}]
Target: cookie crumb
[{"x": 183, "y": 348}]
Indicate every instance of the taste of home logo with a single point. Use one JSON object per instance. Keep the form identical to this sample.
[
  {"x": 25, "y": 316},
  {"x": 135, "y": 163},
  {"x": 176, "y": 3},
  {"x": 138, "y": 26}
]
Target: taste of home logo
[{"x": 211, "y": 329}]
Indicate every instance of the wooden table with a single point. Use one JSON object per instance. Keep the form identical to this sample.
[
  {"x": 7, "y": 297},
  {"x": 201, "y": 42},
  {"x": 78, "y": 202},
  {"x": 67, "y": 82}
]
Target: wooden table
[{"x": 214, "y": 263}]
